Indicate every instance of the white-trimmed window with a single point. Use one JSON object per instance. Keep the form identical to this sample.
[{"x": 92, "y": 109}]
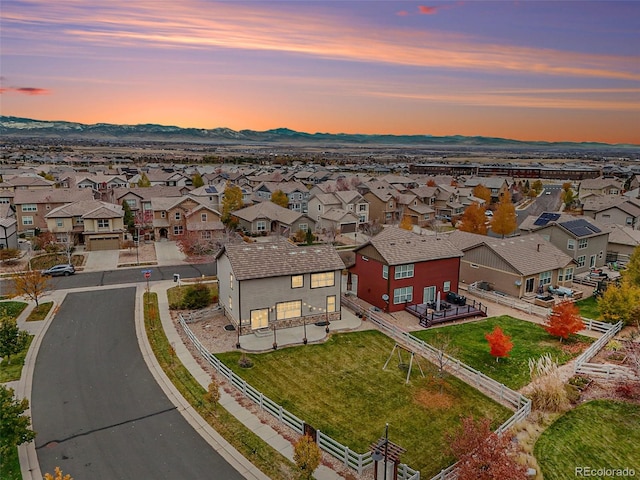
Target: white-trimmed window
[
  {"x": 304, "y": 227},
  {"x": 103, "y": 223},
  {"x": 545, "y": 278},
  {"x": 385, "y": 271},
  {"x": 59, "y": 222},
  {"x": 568, "y": 274},
  {"x": 331, "y": 303},
  {"x": 581, "y": 261},
  {"x": 297, "y": 281},
  {"x": 177, "y": 216},
  {"x": 325, "y": 279},
  {"x": 583, "y": 243},
  {"x": 446, "y": 286},
  {"x": 27, "y": 220},
  {"x": 177, "y": 230},
  {"x": 261, "y": 226},
  {"x": 403, "y": 271},
  {"x": 231, "y": 280},
  {"x": 230, "y": 303},
  {"x": 203, "y": 217},
  {"x": 29, "y": 207},
  {"x": 402, "y": 295},
  {"x": 362, "y": 207},
  {"x": 571, "y": 244},
  {"x": 205, "y": 235},
  {"x": 629, "y": 220},
  {"x": 285, "y": 310},
  {"x": 131, "y": 202}
]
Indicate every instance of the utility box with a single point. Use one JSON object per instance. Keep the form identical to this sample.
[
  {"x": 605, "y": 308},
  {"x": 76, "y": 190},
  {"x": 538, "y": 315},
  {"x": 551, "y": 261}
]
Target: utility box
[{"x": 176, "y": 278}]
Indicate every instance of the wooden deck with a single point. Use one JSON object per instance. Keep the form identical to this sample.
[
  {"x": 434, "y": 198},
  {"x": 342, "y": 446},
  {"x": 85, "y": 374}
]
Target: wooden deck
[{"x": 429, "y": 316}]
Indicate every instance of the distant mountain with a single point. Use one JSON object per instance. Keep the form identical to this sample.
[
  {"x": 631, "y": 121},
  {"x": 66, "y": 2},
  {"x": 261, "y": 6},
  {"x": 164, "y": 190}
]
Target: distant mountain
[{"x": 26, "y": 127}]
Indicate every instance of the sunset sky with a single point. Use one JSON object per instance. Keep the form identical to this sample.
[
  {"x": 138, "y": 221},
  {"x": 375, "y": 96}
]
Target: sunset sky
[{"x": 528, "y": 70}]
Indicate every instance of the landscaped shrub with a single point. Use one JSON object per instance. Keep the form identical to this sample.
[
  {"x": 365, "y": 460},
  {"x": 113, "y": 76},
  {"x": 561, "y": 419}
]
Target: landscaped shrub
[
  {"x": 548, "y": 391},
  {"x": 197, "y": 296}
]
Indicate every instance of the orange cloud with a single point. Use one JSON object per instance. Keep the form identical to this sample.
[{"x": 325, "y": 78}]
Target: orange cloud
[
  {"x": 25, "y": 90},
  {"x": 425, "y": 10}
]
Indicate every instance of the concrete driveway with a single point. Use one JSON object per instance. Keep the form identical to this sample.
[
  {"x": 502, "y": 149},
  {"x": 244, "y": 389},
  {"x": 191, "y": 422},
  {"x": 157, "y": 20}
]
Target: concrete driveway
[
  {"x": 101, "y": 260},
  {"x": 167, "y": 253}
]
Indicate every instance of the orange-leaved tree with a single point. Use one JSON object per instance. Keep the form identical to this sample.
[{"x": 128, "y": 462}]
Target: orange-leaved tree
[
  {"x": 504, "y": 218},
  {"x": 474, "y": 220},
  {"x": 564, "y": 320},
  {"x": 499, "y": 343},
  {"x": 32, "y": 284},
  {"x": 406, "y": 223},
  {"x": 280, "y": 198},
  {"x": 483, "y": 454},
  {"x": 431, "y": 183},
  {"x": 480, "y": 191}
]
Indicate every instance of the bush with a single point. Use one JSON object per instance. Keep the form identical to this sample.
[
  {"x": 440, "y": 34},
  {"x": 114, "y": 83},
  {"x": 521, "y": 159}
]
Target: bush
[
  {"x": 197, "y": 296},
  {"x": 548, "y": 391},
  {"x": 628, "y": 390}
]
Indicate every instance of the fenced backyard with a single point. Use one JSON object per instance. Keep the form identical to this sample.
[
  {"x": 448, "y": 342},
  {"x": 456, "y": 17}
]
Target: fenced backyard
[{"x": 606, "y": 370}]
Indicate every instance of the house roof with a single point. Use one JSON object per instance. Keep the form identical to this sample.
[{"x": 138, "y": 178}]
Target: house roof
[
  {"x": 528, "y": 254},
  {"x": 337, "y": 214},
  {"x": 398, "y": 246},
  {"x": 87, "y": 209},
  {"x": 52, "y": 195},
  {"x": 268, "y": 210},
  {"x": 348, "y": 196},
  {"x": 489, "y": 182},
  {"x": 600, "y": 183},
  {"x": 623, "y": 235},
  {"x": 265, "y": 260},
  {"x": 579, "y": 227},
  {"x": 327, "y": 199}
]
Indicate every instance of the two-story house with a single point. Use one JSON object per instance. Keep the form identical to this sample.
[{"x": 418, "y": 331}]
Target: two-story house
[
  {"x": 278, "y": 285},
  {"x": 32, "y": 206},
  {"x": 267, "y": 217},
  {"x": 97, "y": 225},
  {"x": 600, "y": 186},
  {"x": 397, "y": 268},
  {"x": 496, "y": 185},
  {"x": 578, "y": 237},
  {"x": 296, "y": 192},
  {"x": 613, "y": 210},
  {"x": 174, "y": 216}
]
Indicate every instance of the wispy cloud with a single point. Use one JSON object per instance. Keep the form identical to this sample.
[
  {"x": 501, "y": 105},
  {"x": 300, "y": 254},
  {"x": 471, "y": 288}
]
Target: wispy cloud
[
  {"x": 25, "y": 90},
  {"x": 426, "y": 10},
  {"x": 209, "y": 25}
]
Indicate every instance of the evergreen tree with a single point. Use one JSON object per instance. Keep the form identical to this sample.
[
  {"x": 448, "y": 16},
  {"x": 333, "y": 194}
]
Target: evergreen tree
[
  {"x": 129, "y": 220},
  {"x": 144, "y": 181},
  {"x": 197, "y": 180}
]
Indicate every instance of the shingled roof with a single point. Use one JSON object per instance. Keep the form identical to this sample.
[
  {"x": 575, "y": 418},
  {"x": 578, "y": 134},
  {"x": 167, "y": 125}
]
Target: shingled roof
[{"x": 264, "y": 260}]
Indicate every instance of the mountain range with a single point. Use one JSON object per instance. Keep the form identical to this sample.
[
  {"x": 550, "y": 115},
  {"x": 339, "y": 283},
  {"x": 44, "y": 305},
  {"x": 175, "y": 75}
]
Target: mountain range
[{"x": 25, "y": 127}]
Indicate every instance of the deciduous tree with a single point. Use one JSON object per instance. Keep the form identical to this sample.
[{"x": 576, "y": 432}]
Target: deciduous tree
[
  {"x": 406, "y": 223},
  {"x": 197, "y": 180},
  {"x": 280, "y": 198},
  {"x": 231, "y": 201},
  {"x": 32, "y": 284},
  {"x": 632, "y": 272},
  {"x": 9, "y": 255},
  {"x": 505, "y": 220},
  {"x": 431, "y": 182},
  {"x": 307, "y": 456},
  {"x": 564, "y": 320},
  {"x": 144, "y": 181},
  {"x": 499, "y": 343},
  {"x": 14, "y": 424},
  {"x": 191, "y": 243},
  {"x": 483, "y": 454},
  {"x": 474, "y": 219},
  {"x": 537, "y": 186},
  {"x": 58, "y": 475},
  {"x": 480, "y": 191},
  {"x": 12, "y": 339},
  {"x": 620, "y": 302}
]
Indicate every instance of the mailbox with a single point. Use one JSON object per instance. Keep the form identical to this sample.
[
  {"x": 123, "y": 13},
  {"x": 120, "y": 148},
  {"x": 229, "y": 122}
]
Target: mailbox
[{"x": 176, "y": 277}]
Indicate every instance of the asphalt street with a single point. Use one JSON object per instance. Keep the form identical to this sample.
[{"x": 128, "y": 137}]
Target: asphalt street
[{"x": 97, "y": 410}]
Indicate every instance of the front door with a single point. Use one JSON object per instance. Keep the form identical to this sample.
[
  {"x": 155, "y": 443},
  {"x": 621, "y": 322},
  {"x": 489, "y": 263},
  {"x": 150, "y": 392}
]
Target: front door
[
  {"x": 592, "y": 261},
  {"x": 259, "y": 319},
  {"x": 429, "y": 294}
]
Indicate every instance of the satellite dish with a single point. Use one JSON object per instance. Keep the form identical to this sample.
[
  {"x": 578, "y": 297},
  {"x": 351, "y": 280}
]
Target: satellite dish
[{"x": 385, "y": 297}]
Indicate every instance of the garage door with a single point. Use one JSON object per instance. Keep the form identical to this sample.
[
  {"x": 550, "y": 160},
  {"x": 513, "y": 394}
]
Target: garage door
[
  {"x": 112, "y": 243},
  {"x": 348, "y": 227}
]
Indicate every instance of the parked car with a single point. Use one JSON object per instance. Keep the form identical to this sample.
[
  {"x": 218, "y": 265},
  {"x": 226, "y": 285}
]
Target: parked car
[{"x": 57, "y": 270}]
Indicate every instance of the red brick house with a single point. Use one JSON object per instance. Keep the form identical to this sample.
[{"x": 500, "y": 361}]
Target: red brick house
[{"x": 397, "y": 268}]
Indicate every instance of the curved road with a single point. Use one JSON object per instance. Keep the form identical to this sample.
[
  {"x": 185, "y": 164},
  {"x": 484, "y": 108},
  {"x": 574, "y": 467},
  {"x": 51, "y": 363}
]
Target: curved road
[{"x": 97, "y": 409}]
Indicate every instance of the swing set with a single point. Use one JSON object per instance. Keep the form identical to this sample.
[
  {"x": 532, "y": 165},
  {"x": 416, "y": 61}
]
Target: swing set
[{"x": 401, "y": 364}]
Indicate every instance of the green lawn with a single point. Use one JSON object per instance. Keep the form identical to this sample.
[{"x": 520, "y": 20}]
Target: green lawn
[
  {"x": 10, "y": 466},
  {"x": 12, "y": 371},
  {"x": 589, "y": 308},
  {"x": 40, "y": 312},
  {"x": 529, "y": 341},
  {"x": 339, "y": 387},
  {"x": 597, "y": 434},
  {"x": 11, "y": 309}
]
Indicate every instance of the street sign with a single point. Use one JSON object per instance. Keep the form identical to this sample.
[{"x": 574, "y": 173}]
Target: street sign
[{"x": 147, "y": 274}]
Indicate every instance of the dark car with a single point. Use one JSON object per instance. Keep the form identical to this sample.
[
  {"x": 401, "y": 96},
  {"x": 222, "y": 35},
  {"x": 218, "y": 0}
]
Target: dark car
[{"x": 57, "y": 270}]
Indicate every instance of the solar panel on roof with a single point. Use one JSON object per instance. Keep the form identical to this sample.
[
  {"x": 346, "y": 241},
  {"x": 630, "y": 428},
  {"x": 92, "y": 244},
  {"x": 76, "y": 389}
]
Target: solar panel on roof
[
  {"x": 545, "y": 218},
  {"x": 580, "y": 227}
]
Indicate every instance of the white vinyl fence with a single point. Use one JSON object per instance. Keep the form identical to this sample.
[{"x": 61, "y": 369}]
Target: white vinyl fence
[
  {"x": 357, "y": 461},
  {"x": 607, "y": 370},
  {"x": 489, "y": 386}
]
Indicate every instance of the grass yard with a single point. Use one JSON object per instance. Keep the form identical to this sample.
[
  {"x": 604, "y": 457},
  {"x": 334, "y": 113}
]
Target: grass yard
[
  {"x": 597, "y": 434},
  {"x": 529, "y": 341},
  {"x": 176, "y": 294},
  {"x": 589, "y": 308},
  {"x": 11, "y": 309},
  {"x": 40, "y": 312},
  {"x": 12, "y": 371},
  {"x": 339, "y": 387},
  {"x": 48, "y": 260}
]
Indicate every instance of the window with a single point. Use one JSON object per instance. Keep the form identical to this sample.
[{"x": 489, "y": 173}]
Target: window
[
  {"x": 319, "y": 207},
  {"x": 402, "y": 295},
  {"x": 583, "y": 243},
  {"x": 297, "y": 281},
  {"x": 331, "y": 303},
  {"x": 545, "y": 278},
  {"x": 606, "y": 215},
  {"x": 231, "y": 280},
  {"x": 571, "y": 244},
  {"x": 350, "y": 207},
  {"x": 203, "y": 217},
  {"x": 362, "y": 218},
  {"x": 403, "y": 271},
  {"x": 205, "y": 235},
  {"x": 259, "y": 318},
  {"x": 629, "y": 221},
  {"x": 177, "y": 216},
  {"x": 261, "y": 226},
  {"x": 362, "y": 207},
  {"x": 600, "y": 254},
  {"x": 592, "y": 261},
  {"x": 446, "y": 286},
  {"x": 385, "y": 271},
  {"x": 131, "y": 202},
  {"x": 59, "y": 222},
  {"x": 27, "y": 220},
  {"x": 29, "y": 207},
  {"x": 177, "y": 229},
  {"x": 474, "y": 265},
  {"x": 304, "y": 227},
  {"x": 163, "y": 214},
  {"x": 581, "y": 261},
  {"x": 326, "y": 279},
  {"x": 287, "y": 310},
  {"x": 103, "y": 223},
  {"x": 568, "y": 274},
  {"x": 390, "y": 204},
  {"x": 230, "y": 303}
]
